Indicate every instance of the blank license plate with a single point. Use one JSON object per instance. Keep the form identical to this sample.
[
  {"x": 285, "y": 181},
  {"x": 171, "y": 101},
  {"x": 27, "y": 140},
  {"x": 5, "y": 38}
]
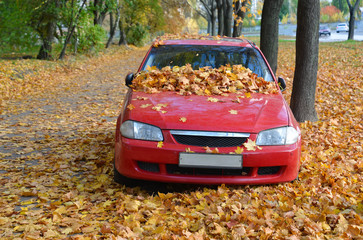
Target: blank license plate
[{"x": 205, "y": 160}]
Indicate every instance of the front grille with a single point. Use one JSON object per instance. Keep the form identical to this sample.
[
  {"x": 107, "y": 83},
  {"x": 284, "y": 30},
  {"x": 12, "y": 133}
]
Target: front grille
[
  {"x": 149, "y": 167},
  {"x": 268, "y": 170},
  {"x": 203, "y": 141},
  {"x": 176, "y": 170}
]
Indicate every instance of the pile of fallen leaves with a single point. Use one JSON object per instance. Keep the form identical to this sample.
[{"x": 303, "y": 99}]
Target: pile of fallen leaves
[
  {"x": 204, "y": 81},
  {"x": 56, "y": 159},
  {"x": 20, "y": 77}
]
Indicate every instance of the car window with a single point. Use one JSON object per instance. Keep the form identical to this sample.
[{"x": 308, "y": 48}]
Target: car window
[{"x": 201, "y": 56}]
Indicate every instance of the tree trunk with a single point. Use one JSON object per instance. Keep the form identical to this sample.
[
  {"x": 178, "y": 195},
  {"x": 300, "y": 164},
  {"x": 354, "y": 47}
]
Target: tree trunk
[
  {"x": 228, "y": 18},
  {"x": 209, "y": 26},
  {"x": 45, "y": 51},
  {"x": 238, "y": 25},
  {"x": 213, "y": 18},
  {"x": 71, "y": 28},
  {"x": 48, "y": 32},
  {"x": 220, "y": 17},
  {"x": 122, "y": 40},
  {"x": 306, "y": 64},
  {"x": 113, "y": 26},
  {"x": 352, "y": 10},
  {"x": 269, "y": 38}
]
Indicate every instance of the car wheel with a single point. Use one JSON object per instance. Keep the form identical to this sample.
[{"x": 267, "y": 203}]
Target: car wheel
[
  {"x": 328, "y": 34},
  {"x": 296, "y": 179},
  {"x": 121, "y": 179},
  {"x": 337, "y": 31}
]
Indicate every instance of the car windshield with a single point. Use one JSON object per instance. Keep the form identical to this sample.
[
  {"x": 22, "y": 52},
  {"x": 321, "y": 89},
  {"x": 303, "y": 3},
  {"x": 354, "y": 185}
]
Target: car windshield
[{"x": 207, "y": 55}]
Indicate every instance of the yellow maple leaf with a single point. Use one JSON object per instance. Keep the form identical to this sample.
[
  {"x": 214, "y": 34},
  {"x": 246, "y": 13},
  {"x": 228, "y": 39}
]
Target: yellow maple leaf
[
  {"x": 130, "y": 107},
  {"x": 145, "y": 105},
  {"x": 239, "y": 150},
  {"x": 211, "y": 99},
  {"x": 160, "y": 144},
  {"x": 183, "y": 119},
  {"x": 188, "y": 150},
  {"x": 251, "y": 145},
  {"x": 208, "y": 150},
  {"x": 141, "y": 98},
  {"x": 234, "y": 112},
  {"x": 248, "y": 95},
  {"x": 157, "y": 108},
  {"x": 216, "y": 150}
]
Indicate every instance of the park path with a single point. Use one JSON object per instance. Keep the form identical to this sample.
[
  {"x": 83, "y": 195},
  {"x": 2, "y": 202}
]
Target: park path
[
  {"x": 93, "y": 94},
  {"x": 60, "y": 141}
]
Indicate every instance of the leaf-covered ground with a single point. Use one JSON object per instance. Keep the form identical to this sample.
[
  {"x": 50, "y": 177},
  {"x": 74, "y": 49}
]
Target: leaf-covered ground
[{"x": 56, "y": 149}]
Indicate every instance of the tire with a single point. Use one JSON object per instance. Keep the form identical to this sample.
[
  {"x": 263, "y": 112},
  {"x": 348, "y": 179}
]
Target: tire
[
  {"x": 296, "y": 179},
  {"x": 121, "y": 179},
  {"x": 337, "y": 31}
]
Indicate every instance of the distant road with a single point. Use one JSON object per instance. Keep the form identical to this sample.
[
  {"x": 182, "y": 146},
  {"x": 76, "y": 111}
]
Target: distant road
[
  {"x": 335, "y": 37},
  {"x": 290, "y": 30}
]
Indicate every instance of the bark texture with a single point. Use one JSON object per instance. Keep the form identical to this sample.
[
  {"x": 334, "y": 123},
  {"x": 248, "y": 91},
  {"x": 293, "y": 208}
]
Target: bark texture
[
  {"x": 269, "y": 38},
  {"x": 306, "y": 65},
  {"x": 220, "y": 17},
  {"x": 228, "y": 18}
]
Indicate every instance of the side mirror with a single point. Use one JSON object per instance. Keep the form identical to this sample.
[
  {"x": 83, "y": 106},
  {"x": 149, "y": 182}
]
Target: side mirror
[
  {"x": 128, "y": 79},
  {"x": 282, "y": 83}
]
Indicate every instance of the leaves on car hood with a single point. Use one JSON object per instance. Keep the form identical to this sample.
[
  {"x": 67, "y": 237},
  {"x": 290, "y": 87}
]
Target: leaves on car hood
[{"x": 204, "y": 81}]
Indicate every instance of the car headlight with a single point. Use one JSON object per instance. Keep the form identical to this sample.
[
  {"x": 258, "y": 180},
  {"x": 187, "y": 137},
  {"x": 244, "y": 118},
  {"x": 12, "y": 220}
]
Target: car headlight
[
  {"x": 277, "y": 136},
  {"x": 142, "y": 131}
]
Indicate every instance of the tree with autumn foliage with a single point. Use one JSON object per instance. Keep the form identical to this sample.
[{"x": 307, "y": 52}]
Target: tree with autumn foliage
[
  {"x": 140, "y": 19},
  {"x": 175, "y": 12}
]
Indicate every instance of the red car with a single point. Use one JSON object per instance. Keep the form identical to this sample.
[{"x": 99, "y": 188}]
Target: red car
[{"x": 182, "y": 137}]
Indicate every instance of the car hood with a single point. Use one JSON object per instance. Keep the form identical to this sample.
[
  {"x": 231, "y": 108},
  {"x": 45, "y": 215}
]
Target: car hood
[{"x": 169, "y": 110}]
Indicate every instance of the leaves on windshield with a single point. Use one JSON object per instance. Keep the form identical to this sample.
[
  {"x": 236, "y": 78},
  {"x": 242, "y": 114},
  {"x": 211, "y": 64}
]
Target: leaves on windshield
[{"x": 204, "y": 81}]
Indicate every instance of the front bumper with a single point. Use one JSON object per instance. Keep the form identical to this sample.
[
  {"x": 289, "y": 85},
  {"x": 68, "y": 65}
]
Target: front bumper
[{"x": 144, "y": 160}]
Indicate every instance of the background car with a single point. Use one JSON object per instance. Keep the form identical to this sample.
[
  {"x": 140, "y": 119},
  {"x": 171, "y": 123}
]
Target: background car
[
  {"x": 342, "y": 27},
  {"x": 324, "y": 30},
  {"x": 171, "y": 131}
]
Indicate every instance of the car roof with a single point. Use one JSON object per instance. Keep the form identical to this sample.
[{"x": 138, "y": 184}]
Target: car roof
[{"x": 210, "y": 40}]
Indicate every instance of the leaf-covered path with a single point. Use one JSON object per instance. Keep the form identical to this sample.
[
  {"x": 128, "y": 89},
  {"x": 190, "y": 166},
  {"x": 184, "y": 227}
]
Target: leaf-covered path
[
  {"x": 56, "y": 152},
  {"x": 52, "y": 140},
  {"x": 87, "y": 96}
]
